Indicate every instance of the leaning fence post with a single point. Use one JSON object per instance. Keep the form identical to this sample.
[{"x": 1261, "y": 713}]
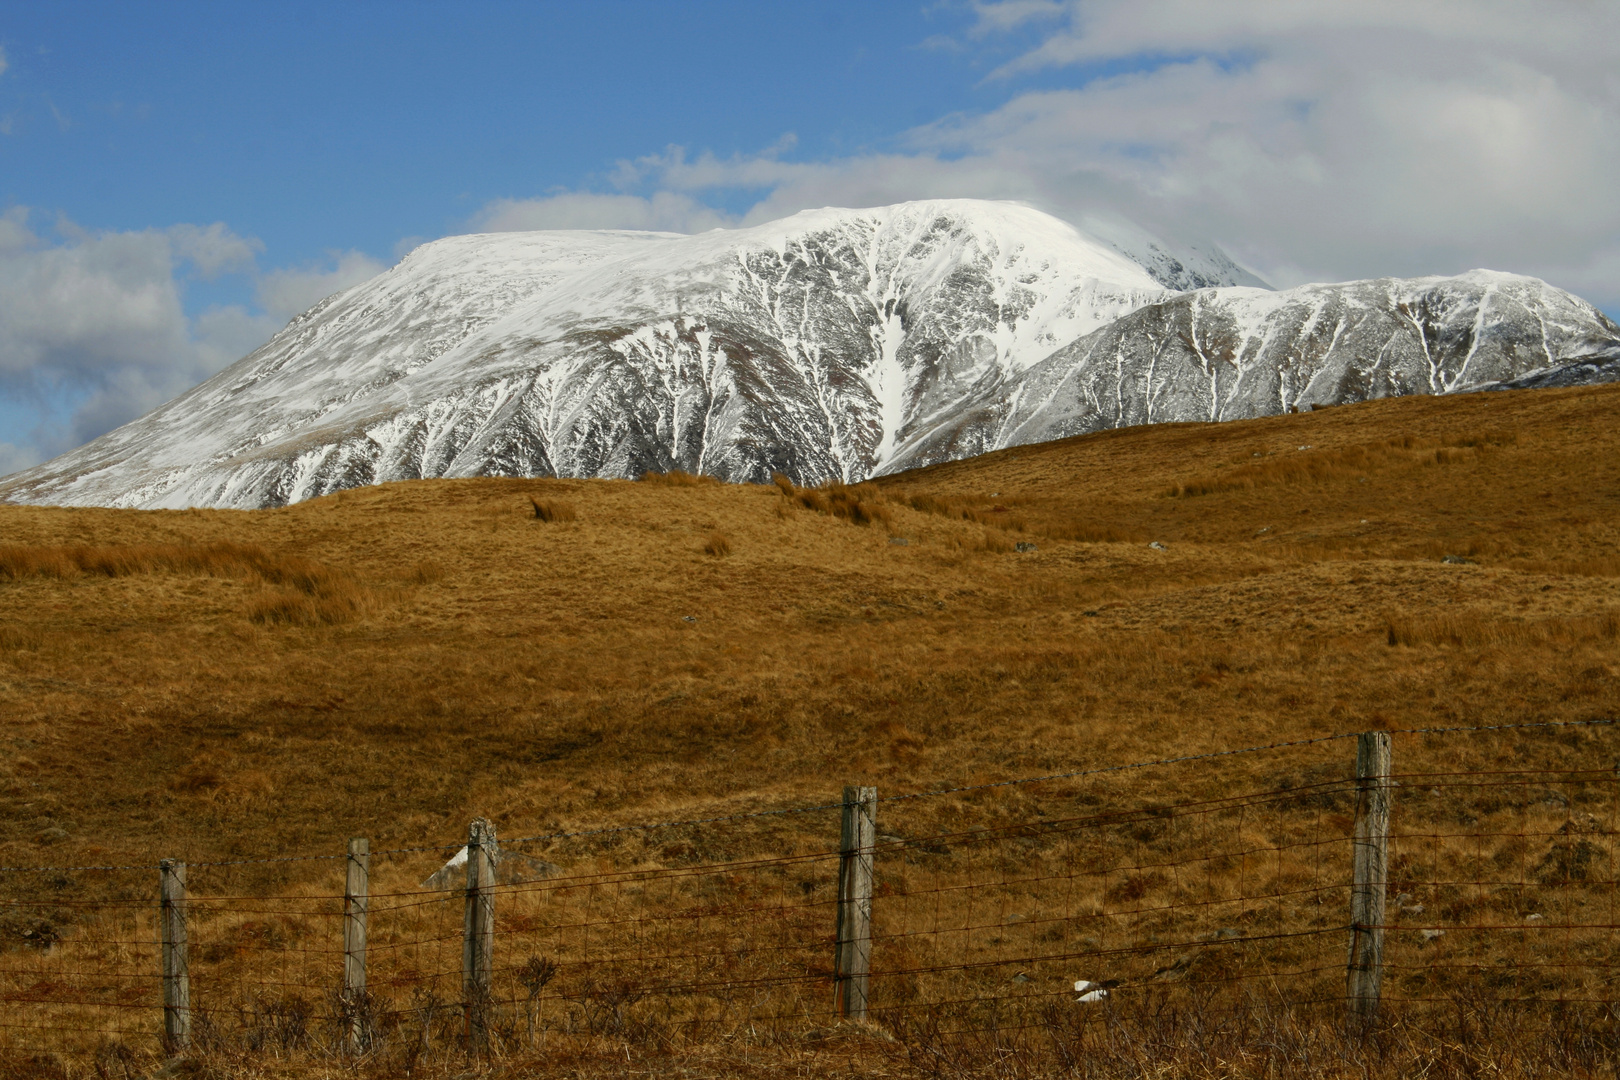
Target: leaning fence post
[
  {"x": 853, "y": 960},
  {"x": 175, "y": 962},
  {"x": 478, "y": 936},
  {"x": 356, "y": 900},
  {"x": 1370, "y": 873}
]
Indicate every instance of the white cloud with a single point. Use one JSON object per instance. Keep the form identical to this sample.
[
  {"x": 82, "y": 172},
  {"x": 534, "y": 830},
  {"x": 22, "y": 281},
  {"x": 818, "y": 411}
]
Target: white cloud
[
  {"x": 1011, "y": 14},
  {"x": 214, "y": 250},
  {"x": 88, "y": 305},
  {"x": 1316, "y": 141},
  {"x": 94, "y": 331},
  {"x": 4, "y": 63},
  {"x": 664, "y": 211},
  {"x": 285, "y": 293}
]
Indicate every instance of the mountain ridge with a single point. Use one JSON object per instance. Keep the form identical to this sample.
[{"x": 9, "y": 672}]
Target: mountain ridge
[{"x": 832, "y": 344}]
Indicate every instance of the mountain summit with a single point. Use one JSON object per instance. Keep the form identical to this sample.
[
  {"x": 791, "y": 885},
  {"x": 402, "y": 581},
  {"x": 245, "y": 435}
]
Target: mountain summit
[{"x": 833, "y": 344}]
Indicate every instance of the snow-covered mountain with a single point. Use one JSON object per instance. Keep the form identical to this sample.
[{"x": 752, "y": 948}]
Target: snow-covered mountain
[
  {"x": 831, "y": 344},
  {"x": 1234, "y": 353}
]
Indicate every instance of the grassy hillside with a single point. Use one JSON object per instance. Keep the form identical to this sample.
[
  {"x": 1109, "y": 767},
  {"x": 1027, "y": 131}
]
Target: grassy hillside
[
  {"x": 560, "y": 655},
  {"x": 390, "y": 661}
]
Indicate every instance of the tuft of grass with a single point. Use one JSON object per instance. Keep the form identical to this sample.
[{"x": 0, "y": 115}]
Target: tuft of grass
[
  {"x": 1600, "y": 566},
  {"x": 551, "y": 510},
  {"x": 20, "y": 638},
  {"x": 1350, "y": 464},
  {"x": 1476, "y": 630},
  {"x": 997, "y": 515},
  {"x": 330, "y": 603},
  {"x": 861, "y": 504},
  {"x": 717, "y": 545},
  {"x": 426, "y": 572},
  {"x": 677, "y": 478},
  {"x": 305, "y": 592}
]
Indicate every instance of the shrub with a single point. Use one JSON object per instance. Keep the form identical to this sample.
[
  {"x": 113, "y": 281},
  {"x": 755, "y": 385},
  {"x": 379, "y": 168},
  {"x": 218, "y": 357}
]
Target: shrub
[{"x": 717, "y": 545}]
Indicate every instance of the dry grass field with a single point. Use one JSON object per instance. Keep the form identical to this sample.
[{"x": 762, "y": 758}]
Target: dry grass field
[{"x": 561, "y": 655}]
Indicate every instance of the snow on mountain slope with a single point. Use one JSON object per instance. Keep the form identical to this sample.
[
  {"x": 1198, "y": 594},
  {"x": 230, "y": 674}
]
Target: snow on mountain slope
[
  {"x": 1231, "y": 353},
  {"x": 831, "y": 344},
  {"x": 1588, "y": 369},
  {"x": 809, "y": 345},
  {"x": 1188, "y": 265}
]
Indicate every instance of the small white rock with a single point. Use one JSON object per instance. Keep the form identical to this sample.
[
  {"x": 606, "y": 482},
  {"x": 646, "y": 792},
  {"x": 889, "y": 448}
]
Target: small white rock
[{"x": 1089, "y": 991}]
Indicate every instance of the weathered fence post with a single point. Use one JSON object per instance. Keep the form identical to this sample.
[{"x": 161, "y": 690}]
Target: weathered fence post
[
  {"x": 478, "y": 940},
  {"x": 1370, "y": 873},
  {"x": 853, "y": 959},
  {"x": 175, "y": 961},
  {"x": 356, "y": 900}
]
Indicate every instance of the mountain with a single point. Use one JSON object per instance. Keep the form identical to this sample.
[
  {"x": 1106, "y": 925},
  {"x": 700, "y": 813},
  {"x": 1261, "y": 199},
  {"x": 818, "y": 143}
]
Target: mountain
[
  {"x": 805, "y": 345},
  {"x": 834, "y": 344},
  {"x": 1234, "y": 353}
]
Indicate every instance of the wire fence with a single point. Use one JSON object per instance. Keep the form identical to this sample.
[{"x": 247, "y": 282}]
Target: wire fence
[{"x": 1216, "y": 878}]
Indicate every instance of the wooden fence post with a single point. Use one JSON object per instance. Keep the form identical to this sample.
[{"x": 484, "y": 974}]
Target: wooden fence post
[
  {"x": 1370, "y": 873},
  {"x": 478, "y": 934},
  {"x": 853, "y": 960},
  {"x": 356, "y": 901},
  {"x": 174, "y": 959}
]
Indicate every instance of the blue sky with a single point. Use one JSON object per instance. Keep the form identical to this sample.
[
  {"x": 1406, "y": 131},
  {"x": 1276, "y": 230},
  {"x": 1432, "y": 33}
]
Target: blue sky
[
  {"x": 315, "y": 127},
  {"x": 177, "y": 179}
]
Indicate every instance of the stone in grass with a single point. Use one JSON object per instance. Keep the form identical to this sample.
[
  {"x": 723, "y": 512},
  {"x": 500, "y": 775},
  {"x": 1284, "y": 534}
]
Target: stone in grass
[
  {"x": 1458, "y": 560},
  {"x": 1025, "y": 545},
  {"x": 899, "y": 541},
  {"x": 1090, "y": 993},
  {"x": 1156, "y": 546}
]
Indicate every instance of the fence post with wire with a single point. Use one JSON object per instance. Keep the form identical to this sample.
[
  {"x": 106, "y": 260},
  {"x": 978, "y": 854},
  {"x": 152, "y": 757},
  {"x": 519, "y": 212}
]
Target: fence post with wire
[
  {"x": 1369, "y": 873},
  {"x": 176, "y": 955},
  {"x": 853, "y": 958},
  {"x": 1013, "y": 913},
  {"x": 478, "y": 948},
  {"x": 356, "y": 899}
]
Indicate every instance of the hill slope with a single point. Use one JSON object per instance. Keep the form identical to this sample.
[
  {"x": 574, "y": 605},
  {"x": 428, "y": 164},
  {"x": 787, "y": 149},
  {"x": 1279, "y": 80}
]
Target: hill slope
[{"x": 389, "y": 661}]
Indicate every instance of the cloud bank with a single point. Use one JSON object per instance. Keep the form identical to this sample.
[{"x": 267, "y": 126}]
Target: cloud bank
[{"x": 97, "y": 318}]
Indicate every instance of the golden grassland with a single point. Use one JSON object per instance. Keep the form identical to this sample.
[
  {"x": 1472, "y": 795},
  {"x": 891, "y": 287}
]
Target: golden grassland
[{"x": 561, "y": 655}]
